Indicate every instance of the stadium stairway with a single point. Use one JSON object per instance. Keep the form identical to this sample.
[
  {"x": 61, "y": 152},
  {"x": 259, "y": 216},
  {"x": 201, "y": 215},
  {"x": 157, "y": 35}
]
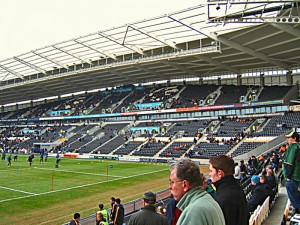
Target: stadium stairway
[{"x": 278, "y": 209}]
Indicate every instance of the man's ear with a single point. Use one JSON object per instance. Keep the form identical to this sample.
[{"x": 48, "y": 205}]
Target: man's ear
[
  {"x": 186, "y": 185},
  {"x": 220, "y": 173}
]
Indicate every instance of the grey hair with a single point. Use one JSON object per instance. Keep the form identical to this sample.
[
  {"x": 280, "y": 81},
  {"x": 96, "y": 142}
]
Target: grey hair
[{"x": 189, "y": 171}]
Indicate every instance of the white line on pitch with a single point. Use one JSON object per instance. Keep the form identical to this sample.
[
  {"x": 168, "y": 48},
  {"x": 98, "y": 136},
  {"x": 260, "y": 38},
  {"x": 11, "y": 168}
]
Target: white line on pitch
[
  {"x": 94, "y": 174},
  {"x": 80, "y": 186},
  {"x": 25, "y": 192}
]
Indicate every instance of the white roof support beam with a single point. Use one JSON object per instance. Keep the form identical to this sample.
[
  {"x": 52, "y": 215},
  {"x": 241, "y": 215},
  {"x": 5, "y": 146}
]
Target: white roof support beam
[
  {"x": 31, "y": 65},
  {"x": 12, "y": 72},
  {"x": 131, "y": 47},
  {"x": 249, "y": 51},
  {"x": 182, "y": 68},
  {"x": 189, "y": 26},
  {"x": 73, "y": 55},
  {"x": 217, "y": 63},
  {"x": 162, "y": 40},
  {"x": 51, "y": 60},
  {"x": 5, "y": 76},
  {"x": 107, "y": 54},
  {"x": 237, "y": 46},
  {"x": 122, "y": 75},
  {"x": 287, "y": 28},
  {"x": 154, "y": 73}
]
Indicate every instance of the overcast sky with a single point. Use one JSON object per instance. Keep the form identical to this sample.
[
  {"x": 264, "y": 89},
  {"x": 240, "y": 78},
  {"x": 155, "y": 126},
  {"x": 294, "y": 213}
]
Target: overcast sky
[{"x": 30, "y": 24}]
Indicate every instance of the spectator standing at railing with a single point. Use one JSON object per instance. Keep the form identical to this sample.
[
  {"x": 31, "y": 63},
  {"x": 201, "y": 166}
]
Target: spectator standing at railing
[
  {"x": 75, "y": 220},
  {"x": 229, "y": 194},
  {"x": 100, "y": 220},
  {"x": 292, "y": 170},
  {"x": 113, "y": 209},
  {"x": 103, "y": 211},
  {"x": 120, "y": 213},
  {"x": 148, "y": 215}
]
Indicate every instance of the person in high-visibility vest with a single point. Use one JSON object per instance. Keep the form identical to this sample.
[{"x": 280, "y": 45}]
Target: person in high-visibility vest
[
  {"x": 103, "y": 211},
  {"x": 100, "y": 220}
]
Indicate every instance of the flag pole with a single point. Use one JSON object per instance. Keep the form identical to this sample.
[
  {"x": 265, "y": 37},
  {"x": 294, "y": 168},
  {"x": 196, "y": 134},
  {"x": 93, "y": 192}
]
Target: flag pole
[
  {"x": 52, "y": 179},
  {"x": 106, "y": 172}
]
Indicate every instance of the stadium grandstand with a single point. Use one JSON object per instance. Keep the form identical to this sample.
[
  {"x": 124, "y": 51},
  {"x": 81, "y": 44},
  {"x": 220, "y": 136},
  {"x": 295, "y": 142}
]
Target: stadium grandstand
[{"x": 218, "y": 78}]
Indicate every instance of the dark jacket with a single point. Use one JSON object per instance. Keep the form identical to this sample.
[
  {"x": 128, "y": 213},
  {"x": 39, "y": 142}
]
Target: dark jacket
[
  {"x": 272, "y": 181},
  {"x": 259, "y": 195},
  {"x": 171, "y": 207},
  {"x": 147, "y": 216},
  {"x": 119, "y": 216},
  {"x": 232, "y": 200}
]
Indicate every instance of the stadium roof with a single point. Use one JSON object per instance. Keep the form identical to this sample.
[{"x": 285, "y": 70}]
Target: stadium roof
[{"x": 206, "y": 40}]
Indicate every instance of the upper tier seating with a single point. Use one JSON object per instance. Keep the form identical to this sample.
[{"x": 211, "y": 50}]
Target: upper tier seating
[
  {"x": 273, "y": 93},
  {"x": 192, "y": 94},
  {"x": 231, "y": 94}
]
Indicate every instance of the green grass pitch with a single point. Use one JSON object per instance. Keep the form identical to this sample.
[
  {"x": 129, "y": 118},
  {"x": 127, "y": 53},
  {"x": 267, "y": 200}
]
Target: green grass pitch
[{"x": 43, "y": 194}]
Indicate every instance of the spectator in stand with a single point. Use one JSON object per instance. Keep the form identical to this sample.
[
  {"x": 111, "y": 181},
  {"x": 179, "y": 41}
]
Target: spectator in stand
[
  {"x": 283, "y": 148},
  {"x": 270, "y": 176},
  {"x": 148, "y": 211},
  {"x": 172, "y": 212},
  {"x": 208, "y": 186},
  {"x": 75, "y": 220},
  {"x": 254, "y": 162},
  {"x": 237, "y": 172},
  {"x": 120, "y": 213},
  {"x": 196, "y": 205},
  {"x": 259, "y": 194},
  {"x": 100, "y": 220},
  {"x": 264, "y": 182},
  {"x": 292, "y": 169},
  {"x": 103, "y": 212},
  {"x": 161, "y": 210},
  {"x": 113, "y": 207},
  {"x": 274, "y": 161},
  {"x": 228, "y": 189},
  {"x": 243, "y": 170}
]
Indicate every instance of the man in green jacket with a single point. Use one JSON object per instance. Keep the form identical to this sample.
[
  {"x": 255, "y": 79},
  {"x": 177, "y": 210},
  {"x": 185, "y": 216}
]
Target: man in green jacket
[
  {"x": 197, "y": 206},
  {"x": 292, "y": 169}
]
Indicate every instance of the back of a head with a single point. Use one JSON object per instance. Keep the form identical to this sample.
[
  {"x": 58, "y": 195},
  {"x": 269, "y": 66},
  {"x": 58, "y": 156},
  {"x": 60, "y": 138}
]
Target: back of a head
[
  {"x": 118, "y": 200},
  {"x": 189, "y": 171},
  {"x": 76, "y": 216},
  {"x": 224, "y": 163},
  {"x": 149, "y": 198},
  {"x": 101, "y": 206}
]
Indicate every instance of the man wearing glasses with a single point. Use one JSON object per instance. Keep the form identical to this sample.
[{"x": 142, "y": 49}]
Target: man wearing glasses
[{"x": 197, "y": 206}]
